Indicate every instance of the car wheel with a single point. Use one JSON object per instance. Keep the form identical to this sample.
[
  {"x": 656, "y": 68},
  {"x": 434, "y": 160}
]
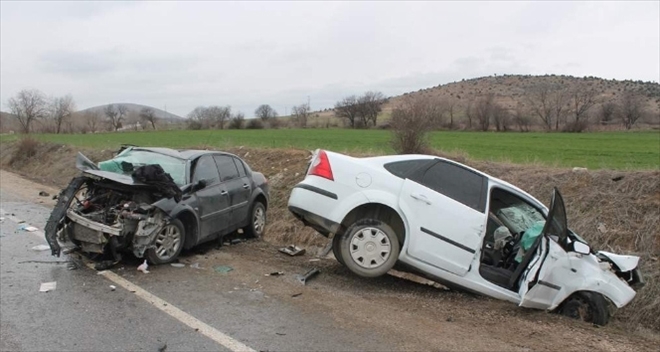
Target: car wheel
[
  {"x": 336, "y": 248},
  {"x": 590, "y": 307},
  {"x": 257, "y": 226},
  {"x": 168, "y": 243},
  {"x": 369, "y": 248}
]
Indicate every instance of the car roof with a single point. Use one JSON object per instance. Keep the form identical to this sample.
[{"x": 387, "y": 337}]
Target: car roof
[{"x": 185, "y": 154}]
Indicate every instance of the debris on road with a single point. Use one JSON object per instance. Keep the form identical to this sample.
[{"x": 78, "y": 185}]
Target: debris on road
[
  {"x": 308, "y": 275},
  {"x": 280, "y": 333},
  {"x": 41, "y": 248},
  {"x": 2, "y": 219},
  {"x": 162, "y": 348},
  {"x": 143, "y": 267},
  {"x": 113, "y": 287},
  {"x": 296, "y": 294},
  {"x": 48, "y": 286},
  {"x": 195, "y": 266},
  {"x": 106, "y": 264},
  {"x": 178, "y": 265},
  {"x": 223, "y": 269},
  {"x": 25, "y": 227},
  {"x": 275, "y": 273},
  {"x": 292, "y": 250},
  {"x": 315, "y": 260},
  {"x": 237, "y": 241},
  {"x": 44, "y": 194}
]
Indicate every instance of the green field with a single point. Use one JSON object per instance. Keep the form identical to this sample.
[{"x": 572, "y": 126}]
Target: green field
[{"x": 602, "y": 150}]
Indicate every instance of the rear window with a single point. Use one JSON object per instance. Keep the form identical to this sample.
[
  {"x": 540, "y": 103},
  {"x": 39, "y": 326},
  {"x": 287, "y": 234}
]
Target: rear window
[{"x": 405, "y": 168}]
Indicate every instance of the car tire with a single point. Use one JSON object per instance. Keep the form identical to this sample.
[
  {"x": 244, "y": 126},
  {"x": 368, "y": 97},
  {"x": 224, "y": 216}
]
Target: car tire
[
  {"x": 369, "y": 248},
  {"x": 168, "y": 243},
  {"x": 590, "y": 307},
  {"x": 256, "y": 227},
  {"x": 336, "y": 248}
]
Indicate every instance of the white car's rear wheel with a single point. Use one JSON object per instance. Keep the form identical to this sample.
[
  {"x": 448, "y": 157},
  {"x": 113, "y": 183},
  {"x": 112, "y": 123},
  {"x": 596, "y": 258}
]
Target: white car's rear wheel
[{"x": 369, "y": 248}]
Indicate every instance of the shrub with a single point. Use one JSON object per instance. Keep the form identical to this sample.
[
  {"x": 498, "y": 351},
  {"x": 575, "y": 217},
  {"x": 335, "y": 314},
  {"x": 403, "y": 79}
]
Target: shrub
[
  {"x": 26, "y": 148},
  {"x": 255, "y": 124}
]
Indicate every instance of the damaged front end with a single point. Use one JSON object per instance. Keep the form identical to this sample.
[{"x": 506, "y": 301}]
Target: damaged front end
[{"x": 104, "y": 214}]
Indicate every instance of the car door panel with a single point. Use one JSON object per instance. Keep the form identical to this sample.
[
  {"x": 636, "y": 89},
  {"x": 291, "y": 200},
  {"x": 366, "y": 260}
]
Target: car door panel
[
  {"x": 213, "y": 204},
  {"x": 444, "y": 233},
  {"x": 237, "y": 187}
]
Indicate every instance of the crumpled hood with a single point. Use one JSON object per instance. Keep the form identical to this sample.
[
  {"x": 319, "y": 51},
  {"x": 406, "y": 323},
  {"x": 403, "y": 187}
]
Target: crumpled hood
[
  {"x": 623, "y": 262},
  {"x": 88, "y": 167}
]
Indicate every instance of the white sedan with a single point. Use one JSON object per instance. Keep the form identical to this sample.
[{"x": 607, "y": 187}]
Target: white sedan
[{"x": 461, "y": 227}]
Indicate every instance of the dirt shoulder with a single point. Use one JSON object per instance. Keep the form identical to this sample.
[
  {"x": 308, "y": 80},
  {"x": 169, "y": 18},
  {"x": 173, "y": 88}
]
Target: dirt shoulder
[{"x": 419, "y": 317}]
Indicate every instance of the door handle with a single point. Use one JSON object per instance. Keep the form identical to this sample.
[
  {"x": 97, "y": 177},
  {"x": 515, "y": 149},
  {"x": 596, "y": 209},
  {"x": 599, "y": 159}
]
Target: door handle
[
  {"x": 246, "y": 186},
  {"x": 421, "y": 198},
  {"x": 223, "y": 193}
]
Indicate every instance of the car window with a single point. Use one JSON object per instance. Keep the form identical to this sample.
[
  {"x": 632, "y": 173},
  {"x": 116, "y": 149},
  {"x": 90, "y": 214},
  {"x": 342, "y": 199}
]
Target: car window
[
  {"x": 227, "y": 167},
  {"x": 406, "y": 167},
  {"x": 240, "y": 166},
  {"x": 206, "y": 170},
  {"x": 457, "y": 183}
]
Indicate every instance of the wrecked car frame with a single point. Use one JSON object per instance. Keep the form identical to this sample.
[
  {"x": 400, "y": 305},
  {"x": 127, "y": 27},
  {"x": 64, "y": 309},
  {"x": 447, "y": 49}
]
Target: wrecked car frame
[{"x": 154, "y": 202}]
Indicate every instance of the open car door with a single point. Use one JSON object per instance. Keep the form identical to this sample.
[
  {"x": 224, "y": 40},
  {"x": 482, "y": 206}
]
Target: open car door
[{"x": 534, "y": 292}]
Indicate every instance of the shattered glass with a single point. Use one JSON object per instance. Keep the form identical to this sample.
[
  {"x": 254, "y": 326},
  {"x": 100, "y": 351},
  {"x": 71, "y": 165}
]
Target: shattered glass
[{"x": 130, "y": 159}]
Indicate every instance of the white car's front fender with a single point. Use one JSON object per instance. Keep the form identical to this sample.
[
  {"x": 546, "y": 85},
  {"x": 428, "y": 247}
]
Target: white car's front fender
[{"x": 623, "y": 262}]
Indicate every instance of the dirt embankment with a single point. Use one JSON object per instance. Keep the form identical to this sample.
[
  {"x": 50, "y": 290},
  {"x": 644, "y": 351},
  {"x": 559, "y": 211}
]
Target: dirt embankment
[{"x": 614, "y": 210}]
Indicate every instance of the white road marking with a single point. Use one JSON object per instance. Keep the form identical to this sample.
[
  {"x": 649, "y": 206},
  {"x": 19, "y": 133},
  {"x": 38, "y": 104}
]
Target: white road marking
[{"x": 176, "y": 313}]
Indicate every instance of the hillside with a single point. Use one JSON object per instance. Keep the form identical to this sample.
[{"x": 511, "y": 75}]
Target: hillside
[
  {"x": 510, "y": 91},
  {"x": 134, "y": 109}
]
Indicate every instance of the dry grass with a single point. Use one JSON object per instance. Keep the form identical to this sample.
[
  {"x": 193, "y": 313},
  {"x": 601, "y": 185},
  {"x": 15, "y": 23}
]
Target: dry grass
[
  {"x": 627, "y": 211},
  {"x": 25, "y": 149}
]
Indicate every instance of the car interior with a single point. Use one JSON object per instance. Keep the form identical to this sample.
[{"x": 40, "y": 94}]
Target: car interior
[{"x": 508, "y": 218}]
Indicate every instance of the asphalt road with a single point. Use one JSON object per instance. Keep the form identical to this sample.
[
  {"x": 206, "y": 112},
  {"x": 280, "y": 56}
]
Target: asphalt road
[{"x": 84, "y": 313}]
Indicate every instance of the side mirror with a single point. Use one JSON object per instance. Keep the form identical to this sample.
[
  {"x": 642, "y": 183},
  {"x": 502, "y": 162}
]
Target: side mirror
[
  {"x": 201, "y": 184},
  {"x": 579, "y": 247}
]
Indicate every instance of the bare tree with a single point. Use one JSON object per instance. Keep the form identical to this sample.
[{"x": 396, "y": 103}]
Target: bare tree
[
  {"x": 265, "y": 112},
  {"x": 582, "y": 98},
  {"x": 483, "y": 111},
  {"x": 92, "y": 120},
  {"x": 631, "y": 109},
  {"x": 540, "y": 101},
  {"x": 521, "y": 119},
  {"x": 348, "y": 109},
  {"x": 411, "y": 121},
  {"x": 369, "y": 106},
  {"x": 148, "y": 115},
  {"x": 560, "y": 106},
  {"x": 112, "y": 113},
  {"x": 469, "y": 114},
  {"x": 122, "y": 111},
  {"x": 450, "y": 105},
  {"x": 61, "y": 110},
  {"x": 28, "y": 106},
  {"x": 300, "y": 114},
  {"x": 237, "y": 121},
  {"x": 218, "y": 115},
  {"x": 501, "y": 117},
  {"x": 198, "y": 118},
  {"x": 607, "y": 112}
]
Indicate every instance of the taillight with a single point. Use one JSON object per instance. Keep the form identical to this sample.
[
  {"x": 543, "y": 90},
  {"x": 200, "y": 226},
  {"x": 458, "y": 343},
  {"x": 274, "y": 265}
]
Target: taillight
[{"x": 321, "y": 166}]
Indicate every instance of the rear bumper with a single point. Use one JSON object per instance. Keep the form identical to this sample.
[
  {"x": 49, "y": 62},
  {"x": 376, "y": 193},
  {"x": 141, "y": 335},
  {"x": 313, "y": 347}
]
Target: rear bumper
[{"x": 322, "y": 225}]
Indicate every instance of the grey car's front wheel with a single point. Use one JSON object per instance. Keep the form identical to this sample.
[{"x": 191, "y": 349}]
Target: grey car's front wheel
[
  {"x": 369, "y": 248},
  {"x": 257, "y": 226},
  {"x": 168, "y": 243}
]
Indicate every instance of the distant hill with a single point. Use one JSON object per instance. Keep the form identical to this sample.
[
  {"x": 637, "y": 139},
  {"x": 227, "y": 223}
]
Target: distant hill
[
  {"x": 134, "y": 109},
  {"x": 510, "y": 91}
]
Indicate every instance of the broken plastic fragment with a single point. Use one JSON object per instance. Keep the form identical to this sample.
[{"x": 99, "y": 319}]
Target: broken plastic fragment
[
  {"x": 195, "y": 266},
  {"x": 113, "y": 287},
  {"x": 275, "y": 273},
  {"x": 223, "y": 269},
  {"x": 292, "y": 250},
  {"x": 143, "y": 267},
  {"x": 48, "y": 286},
  {"x": 178, "y": 265},
  {"x": 40, "y": 248}
]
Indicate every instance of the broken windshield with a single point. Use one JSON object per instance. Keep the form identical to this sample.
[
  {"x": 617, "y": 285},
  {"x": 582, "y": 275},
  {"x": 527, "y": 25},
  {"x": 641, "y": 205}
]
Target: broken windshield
[{"x": 130, "y": 159}]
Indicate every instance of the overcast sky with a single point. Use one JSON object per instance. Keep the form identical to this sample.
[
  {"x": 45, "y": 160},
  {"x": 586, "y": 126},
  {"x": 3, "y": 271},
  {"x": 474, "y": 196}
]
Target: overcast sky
[{"x": 182, "y": 55}]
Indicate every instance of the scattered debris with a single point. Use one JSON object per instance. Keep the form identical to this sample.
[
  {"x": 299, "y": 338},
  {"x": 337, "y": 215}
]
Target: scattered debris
[
  {"x": 195, "y": 266},
  {"x": 280, "y": 333},
  {"x": 143, "y": 267},
  {"x": 296, "y": 294},
  {"x": 223, "y": 269},
  {"x": 308, "y": 275},
  {"x": 292, "y": 250},
  {"x": 2, "y": 219},
  {"x": 275, "y": 273},
  {"x": 580, "y": 169},
  {"x": 105, "y": 264},
  {"x": 44, "y": 194},
  {"x": 601, "y": 228},
  {"x": 41, "y": 248},
  {"x": 315, "y": 260},
  {"x": 617, "y": 178},
  {"x": 178, "y": 265},
  {"x": 44, "y": 262},
  {"x": 324, "y": 253},
  {"x": 162, "y": 348},
  {"x": 237, "y": 240},
  {"x": 25, "y": 227},
  {"x": 113, "y": 287},
  {"x": 48, "y": 286},
  {"x": 55, "y": 197}
]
